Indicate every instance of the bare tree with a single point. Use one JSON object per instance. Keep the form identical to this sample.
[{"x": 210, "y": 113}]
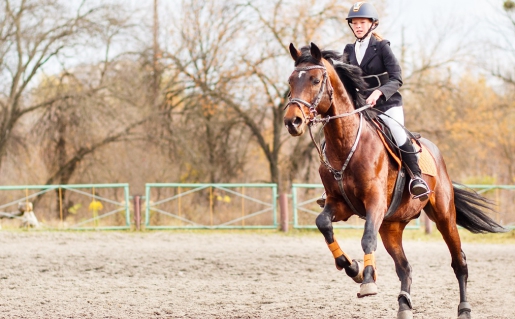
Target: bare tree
[
  {"x": 80, "y": 109},
  {"x": 35, "y": 34},
  {"x": 506, "y": 32},
  {"x": 241, "y": 61}
]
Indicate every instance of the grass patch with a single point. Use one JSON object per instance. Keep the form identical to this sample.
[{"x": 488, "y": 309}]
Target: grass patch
[
  {"x": 418, "y": 235},
  {"x": 408, "y": 235}
]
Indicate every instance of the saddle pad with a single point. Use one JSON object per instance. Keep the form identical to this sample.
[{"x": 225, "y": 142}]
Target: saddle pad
[{"x": 426, "y": 161}]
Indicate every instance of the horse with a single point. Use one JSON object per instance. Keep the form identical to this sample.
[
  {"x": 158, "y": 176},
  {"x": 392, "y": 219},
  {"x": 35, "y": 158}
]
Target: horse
[{"x": 359, "y": 177}]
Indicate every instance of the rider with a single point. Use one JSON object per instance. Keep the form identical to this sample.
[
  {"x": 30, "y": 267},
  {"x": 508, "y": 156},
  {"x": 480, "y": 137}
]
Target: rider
[{"x": 383, "y": 74}]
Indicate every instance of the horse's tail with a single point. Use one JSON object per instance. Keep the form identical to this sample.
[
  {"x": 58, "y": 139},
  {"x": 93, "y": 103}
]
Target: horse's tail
[{"x": 469, "y": 215}]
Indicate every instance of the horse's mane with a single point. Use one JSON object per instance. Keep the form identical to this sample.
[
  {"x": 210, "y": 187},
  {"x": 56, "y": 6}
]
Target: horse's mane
[{"x": 350, "y": 75}]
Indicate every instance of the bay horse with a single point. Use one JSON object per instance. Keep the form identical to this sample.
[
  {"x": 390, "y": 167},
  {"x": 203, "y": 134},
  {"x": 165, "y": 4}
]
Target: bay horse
[{"x": 359, "y": 177}]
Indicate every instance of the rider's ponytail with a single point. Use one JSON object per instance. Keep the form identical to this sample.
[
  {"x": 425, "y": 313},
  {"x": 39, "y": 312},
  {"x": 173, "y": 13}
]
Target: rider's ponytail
[{"x": 377, "y": 36}]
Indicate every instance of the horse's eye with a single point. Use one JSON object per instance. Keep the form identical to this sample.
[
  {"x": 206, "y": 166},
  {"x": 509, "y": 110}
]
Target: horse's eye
[{"x": 316, "y": 81}]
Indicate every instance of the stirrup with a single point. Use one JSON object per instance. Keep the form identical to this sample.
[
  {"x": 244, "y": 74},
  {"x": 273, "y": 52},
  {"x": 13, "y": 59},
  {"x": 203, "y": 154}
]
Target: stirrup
[
  {"x": 422, "y": 195},
  {"x": 321, "y": 200}
]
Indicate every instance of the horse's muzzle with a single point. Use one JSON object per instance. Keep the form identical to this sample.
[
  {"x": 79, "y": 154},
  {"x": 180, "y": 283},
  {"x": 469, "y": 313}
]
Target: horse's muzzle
[{"x": 294, "y": 125}]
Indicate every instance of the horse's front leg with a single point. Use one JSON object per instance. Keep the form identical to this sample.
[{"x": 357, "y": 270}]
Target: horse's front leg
[
  {"x": 374, "y": 218},
  {"x": 324, "y": 223}
]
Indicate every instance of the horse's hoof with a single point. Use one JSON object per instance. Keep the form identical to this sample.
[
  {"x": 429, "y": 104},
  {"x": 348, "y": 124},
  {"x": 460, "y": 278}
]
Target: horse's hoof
[
  {"x": 464, "y": 310},
  {"x": 359, "y": 277},
  {"x": 367, "y": 290},
  {"x": 405, "y": 314},
  {"x": 465, "y": 315}
]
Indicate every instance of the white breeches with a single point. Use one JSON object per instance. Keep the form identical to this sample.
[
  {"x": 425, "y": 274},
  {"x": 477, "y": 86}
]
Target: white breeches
[{"x": 398, "y": 132}]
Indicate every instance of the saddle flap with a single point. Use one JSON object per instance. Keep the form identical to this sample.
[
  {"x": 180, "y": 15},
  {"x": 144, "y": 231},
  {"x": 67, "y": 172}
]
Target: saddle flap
[
  {"x": 425, "y": 159},
  {"x": 393, "y": 150}
]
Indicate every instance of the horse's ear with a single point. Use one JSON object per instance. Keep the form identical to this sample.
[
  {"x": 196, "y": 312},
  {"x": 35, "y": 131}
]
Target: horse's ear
[
  {"x": 295, "y": 54},
  {"x": 315, "y": 52}
]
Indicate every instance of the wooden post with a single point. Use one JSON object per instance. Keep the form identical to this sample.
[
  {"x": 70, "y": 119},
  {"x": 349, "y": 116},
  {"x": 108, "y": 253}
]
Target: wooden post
[
  {"x": 137, "y": 212},
  {"x": 242, "y": 206},
  {"x": 211, "y": 205},
  {"x": 61, "y": 206},
  {"x": 283, "y": 206}
]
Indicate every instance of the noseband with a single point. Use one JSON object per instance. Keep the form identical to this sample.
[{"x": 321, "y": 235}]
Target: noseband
[{"x": 313, "y": 105}]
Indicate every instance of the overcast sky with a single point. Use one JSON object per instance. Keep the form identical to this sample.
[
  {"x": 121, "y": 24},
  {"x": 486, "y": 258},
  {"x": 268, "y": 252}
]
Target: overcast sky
[
  {"x": 473, "y": 22},
  {"x": 421, "y": 22},
  {"x": 471, "y": 18}
]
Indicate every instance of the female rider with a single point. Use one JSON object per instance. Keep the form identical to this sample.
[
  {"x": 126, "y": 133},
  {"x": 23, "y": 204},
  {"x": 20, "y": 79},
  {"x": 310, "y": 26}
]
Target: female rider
[{"x": 383, "y": 74}]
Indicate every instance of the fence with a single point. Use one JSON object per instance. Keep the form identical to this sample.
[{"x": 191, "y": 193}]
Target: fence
[
  {"x": 305, "y": 209},
  {"x": 174, "y": 205},
  {"x": 79, "y": 207}
]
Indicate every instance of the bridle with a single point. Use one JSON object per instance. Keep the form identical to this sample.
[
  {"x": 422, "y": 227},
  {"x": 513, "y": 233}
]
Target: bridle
[
  {"x": 313, "y": 105},
  {"x": 314, "y": 119}
]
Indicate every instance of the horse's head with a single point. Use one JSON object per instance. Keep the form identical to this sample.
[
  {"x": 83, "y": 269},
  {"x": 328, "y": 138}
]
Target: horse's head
[{"x": 310, "y": 89}]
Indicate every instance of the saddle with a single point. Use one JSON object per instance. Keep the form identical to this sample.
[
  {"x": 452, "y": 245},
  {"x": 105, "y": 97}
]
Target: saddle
[{"x": 426, "y": 161}]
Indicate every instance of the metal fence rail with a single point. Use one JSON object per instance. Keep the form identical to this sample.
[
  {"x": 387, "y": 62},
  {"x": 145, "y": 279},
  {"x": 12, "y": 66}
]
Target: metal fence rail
[
  {"x": 211, "y": 206},
  {"x": 86, "y": 209},
  {"x": 305, "y": 209},
  {"x": 187, "y": 206}
]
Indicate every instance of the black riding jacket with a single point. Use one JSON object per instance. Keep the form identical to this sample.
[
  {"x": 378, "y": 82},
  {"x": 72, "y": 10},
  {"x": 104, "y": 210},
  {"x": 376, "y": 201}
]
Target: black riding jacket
[{"x": 378, "y": 59}]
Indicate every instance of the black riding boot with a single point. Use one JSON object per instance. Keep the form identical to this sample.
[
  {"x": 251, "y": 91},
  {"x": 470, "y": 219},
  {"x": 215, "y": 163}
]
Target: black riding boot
[{"x": 418, "y": 187}]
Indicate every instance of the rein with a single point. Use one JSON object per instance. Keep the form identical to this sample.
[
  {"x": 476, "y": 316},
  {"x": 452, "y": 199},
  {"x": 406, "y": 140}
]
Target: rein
[
  {"x": 326, "y": 119},
  {"x": 337, "y": 174},
  {"x": 312, "y": 110}
]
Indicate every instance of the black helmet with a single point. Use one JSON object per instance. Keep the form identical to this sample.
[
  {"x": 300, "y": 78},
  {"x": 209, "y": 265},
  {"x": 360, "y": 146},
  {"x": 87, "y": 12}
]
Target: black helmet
[{"x": 363, "y": 10}]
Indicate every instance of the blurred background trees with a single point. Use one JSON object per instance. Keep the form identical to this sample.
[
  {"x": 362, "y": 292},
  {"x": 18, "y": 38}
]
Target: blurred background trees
[{"x": 193, "y": 91}]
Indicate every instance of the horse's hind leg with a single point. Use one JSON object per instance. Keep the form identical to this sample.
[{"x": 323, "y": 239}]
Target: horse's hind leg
[
  {"x": 341, "y": 259},
  {"x": 391, "y": 234},
  {"x": 444, "y": 215}
]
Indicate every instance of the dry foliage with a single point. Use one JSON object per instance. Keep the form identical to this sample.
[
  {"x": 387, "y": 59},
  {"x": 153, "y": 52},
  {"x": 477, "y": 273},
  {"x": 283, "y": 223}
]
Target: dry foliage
[{"x": 87, "y": 98}]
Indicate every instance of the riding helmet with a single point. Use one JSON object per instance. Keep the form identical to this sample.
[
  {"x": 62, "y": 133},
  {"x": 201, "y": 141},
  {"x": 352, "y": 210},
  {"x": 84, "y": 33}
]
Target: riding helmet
[{"x": 363, "y": 10}]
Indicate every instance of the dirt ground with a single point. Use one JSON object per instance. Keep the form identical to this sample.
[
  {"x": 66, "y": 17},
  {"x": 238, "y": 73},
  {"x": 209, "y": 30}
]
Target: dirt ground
[{"x": 232, "y": 275}]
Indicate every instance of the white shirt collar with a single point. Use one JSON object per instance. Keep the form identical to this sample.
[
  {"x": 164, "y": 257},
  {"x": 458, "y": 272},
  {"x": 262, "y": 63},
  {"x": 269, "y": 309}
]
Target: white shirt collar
[
  {"x": 360, "y": 48},
  {"x": 365, "y": 42}
]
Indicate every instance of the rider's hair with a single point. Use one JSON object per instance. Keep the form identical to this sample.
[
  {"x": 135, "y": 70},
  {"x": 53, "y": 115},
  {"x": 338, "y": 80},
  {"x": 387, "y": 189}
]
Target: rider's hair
[{"x": 377, "y": 36}]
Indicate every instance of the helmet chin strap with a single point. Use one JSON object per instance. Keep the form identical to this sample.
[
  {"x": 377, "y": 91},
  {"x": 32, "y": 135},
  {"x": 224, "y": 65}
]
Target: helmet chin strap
[{"x": 372, "y": 28}]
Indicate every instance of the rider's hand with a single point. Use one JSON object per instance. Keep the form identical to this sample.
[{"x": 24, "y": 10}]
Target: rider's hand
[{"x": 372, "y": 99}]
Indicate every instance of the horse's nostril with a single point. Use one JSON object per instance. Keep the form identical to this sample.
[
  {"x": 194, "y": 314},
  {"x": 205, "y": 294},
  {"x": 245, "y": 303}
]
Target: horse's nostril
[{"x": 294, "y": 123}]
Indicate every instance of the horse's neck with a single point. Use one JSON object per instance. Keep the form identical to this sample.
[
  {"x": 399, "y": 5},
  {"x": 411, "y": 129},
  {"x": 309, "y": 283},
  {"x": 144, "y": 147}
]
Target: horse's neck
[{"x": 340, "y": 134}]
